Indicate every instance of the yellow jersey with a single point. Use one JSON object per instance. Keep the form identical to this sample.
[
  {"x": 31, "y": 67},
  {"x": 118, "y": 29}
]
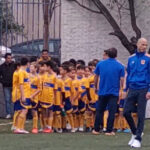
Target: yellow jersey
[
  {"x": 67, "y": 83},
  {"x": 93, "y": 94},
  {"x": 84, "y": 83},
  {"x": 16, "y": 89},
  {"x": 34, "y": 85},
  {"x": 75, "y": 88},
  {"x": 49, "y": 86},
  {"x": 58, "y": 99},
  {"x": 24, "y": 80}
]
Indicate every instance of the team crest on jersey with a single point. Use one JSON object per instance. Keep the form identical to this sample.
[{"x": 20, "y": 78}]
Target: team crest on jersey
[
  {"x": 142, "y": 62},
  {"x": 132, "y": 62}
]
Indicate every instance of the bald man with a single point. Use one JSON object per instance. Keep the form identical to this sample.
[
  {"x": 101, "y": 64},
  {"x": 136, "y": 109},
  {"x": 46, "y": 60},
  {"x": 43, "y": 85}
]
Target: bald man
[{"x": 138, "y": 90}]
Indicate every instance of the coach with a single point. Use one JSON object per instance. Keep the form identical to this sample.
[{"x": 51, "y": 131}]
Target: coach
[
  {"x": 6, "y": 75},
  {"x": 111, "y": 74},
  {"x": 138, "y": 88}
]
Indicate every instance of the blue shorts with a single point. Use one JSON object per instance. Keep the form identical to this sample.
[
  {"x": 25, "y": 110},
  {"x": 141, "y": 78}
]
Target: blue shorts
[
  {"x": 48, "y": 106},
  {"x": 19, "y": 105},
  {"x": 34, "y": 105},
  {"x": 68, "y": 105},
  {"x": 57, "y": 109},
  {"x": 81, "y": 106},
  {"x": 75, "y": 109},
  {"x": 92, "y": 106}
]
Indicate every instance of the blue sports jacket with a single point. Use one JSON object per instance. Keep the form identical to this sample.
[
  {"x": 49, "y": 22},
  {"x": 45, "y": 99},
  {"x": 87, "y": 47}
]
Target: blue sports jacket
[{"x": 138, "y": 71}]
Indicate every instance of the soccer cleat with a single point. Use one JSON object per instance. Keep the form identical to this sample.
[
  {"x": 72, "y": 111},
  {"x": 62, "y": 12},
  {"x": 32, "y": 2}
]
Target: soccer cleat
[
  {"x": 41, "y": 130},
  {"x": 24, "y": 131},
  {"x": 73, "y": 130},
  {"x": 127, "y": 131},
  {"x": 68, "y": 126},
  {"x": 119, "y": 130},
  {"x": 136, "y": 144},
  {"x": 34, "y": 130},
  {"x": 95, "y": 132},
  {"x": 58, "y": 130},
  {"x": 13, "y": 128},
  {"x": 81, "y": 129},
  {"x": 20, "y": 131},
  {"x": 47, "y": 130},
  {"x": 131, "y": 140}
]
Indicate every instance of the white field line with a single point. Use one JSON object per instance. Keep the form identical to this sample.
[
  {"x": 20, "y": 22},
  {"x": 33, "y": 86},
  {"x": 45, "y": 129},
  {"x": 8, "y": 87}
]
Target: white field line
[{"x": 5, "y": 124}]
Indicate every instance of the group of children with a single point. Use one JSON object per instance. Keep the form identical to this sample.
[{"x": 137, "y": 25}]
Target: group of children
[{"x": 62, "y": 97}]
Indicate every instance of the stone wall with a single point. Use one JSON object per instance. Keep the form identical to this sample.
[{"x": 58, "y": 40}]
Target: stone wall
[{"x": 85, "y": 35}]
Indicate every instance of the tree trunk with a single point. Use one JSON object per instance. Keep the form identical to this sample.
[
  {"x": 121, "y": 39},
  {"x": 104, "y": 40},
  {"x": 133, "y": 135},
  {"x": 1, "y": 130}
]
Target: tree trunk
[{"x": 46, "y": 24}]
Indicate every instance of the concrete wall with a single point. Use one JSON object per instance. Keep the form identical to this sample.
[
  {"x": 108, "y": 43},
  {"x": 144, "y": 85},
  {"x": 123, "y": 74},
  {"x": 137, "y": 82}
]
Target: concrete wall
[{"x": 85, "y": 34}]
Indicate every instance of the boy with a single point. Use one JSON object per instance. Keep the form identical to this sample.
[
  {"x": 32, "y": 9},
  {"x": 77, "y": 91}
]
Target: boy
[
  {"x": 64, "y": 70},
  {"x": 15, "y": 95},
  {"x": 24, "y": 91},
  {"x": 47, "y": 97},
  {"x": 35, "y": 88}
]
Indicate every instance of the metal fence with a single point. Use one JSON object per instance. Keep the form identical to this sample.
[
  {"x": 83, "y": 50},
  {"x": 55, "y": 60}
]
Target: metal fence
[
  {"x": 22, "y": 22},
  {"x": 22, "y": 29}
]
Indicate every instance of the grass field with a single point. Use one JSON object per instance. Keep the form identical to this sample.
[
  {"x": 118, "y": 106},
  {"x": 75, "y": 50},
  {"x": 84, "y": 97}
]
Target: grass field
[{"x": 67, "y": 141}]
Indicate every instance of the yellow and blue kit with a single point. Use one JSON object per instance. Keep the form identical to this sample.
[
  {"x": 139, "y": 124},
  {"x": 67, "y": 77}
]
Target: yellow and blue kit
[
  {"x": 24, "y": 81},
  {"x": 47, "y": 94},
  {"x": 34, "y": 86},
  {"x": 93, "y": 95}
]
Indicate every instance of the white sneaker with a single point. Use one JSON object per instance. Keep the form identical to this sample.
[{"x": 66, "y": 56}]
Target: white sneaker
[
  {"x": 58, "y": 130},
  {"x": 41, "y": 130},
  {"x": 136, "y": 144},
  {"x": 81, "y": 129},
  {"x": 8, "y": 116},
  {"x": 13, "y": 128},
  {"x": 24, "y": 131},
  {"x": 73, "y": 130},
  {"x": 131, "y": 140},
  {"x": 68, "y": 126}
]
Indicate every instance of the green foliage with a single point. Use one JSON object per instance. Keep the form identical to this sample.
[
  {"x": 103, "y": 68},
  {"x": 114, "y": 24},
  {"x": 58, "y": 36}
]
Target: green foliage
[{"x": 7, "y": 20}]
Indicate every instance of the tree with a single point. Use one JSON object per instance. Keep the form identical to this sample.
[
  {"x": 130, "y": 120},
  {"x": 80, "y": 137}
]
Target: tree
[
  {"x": 101, "y": 9},
  {"x": 7, "y": 21},
  {"x": 48, "y": 9}
]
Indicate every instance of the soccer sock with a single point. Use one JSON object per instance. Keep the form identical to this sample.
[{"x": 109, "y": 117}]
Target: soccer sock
[
  {"x": 116, "y": 125},
  {"x": 41, "y": 121},
  {"x": 105, "y": 119},
  {"x": 70, "y": 120},
  {"x": 21, "y": 121},
  {"x": 88, "y": 118},
  {"x": 64, "y": 122},
  {"x": 58, "y": 121},
  {"x": 35, "y": 120},
  {"x": 76, "y": 120},
  {"x": 81, "y": 120},
  {"x": 15, "y": 118},
  {"x": 50, "y": 121}
]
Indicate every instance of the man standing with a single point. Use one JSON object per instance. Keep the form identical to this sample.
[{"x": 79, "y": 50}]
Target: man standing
[
  {"x": 137, "y": 86},
  {"x": 6, "y": 74},
  {"x": 111, "y": 74},
  {"x": 45, "y": 56}
]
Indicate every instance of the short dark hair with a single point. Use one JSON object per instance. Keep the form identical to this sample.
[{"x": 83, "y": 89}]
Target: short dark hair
[
  {"x": 81, "y": 67},
  {"x": 7, "y": 54},
  {"x": 24, "y": 61},
  {"x": 73, "y": 61},
  {"x": 50, "y": 64},
  {"x": 45, "y": 50},
  {"x": 66, "y": 68},
  {"x": 112, "y": 52},
  {"x": 17, "y": 64},
  {"x": 33, "y": 59},
  {"x": 81, "y": 62},
  {"x": 42, "y": 63}
]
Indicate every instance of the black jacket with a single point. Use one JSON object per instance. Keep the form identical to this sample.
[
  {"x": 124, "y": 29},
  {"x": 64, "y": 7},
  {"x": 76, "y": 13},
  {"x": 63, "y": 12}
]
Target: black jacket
[{"x": 6, "y": 74}]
